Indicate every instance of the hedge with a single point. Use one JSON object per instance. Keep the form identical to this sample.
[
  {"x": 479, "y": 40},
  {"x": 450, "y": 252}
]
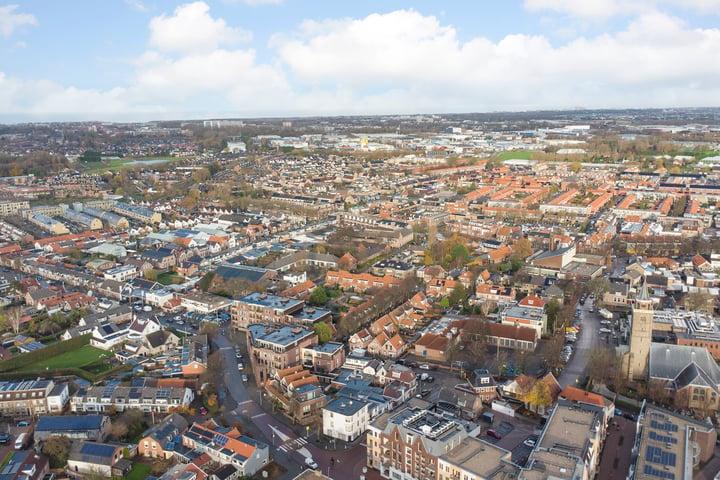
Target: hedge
[{"x": 52, "y": 350}]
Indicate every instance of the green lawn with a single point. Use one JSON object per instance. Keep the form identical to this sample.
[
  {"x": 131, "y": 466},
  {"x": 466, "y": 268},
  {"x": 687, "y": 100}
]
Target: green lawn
[
  {"x": 168, "y": 278},
  {"x": 76, "y": 358},
  {"x": 515, "y": 155},
  {"x": 139, "y": 472}
]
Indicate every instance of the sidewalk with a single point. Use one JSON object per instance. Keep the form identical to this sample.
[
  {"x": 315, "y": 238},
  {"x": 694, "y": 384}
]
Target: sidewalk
[{"x": 602, "y": 389}]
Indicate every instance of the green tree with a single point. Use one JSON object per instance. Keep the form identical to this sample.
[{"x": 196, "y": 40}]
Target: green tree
[
  {"x": 206, "y": 281},
  {"x": 57, "y": 449},
  {"x": 551, "y": 310},
  {"x": 575, "y": 167},
  {"x": 151, "y": 275},
  {"x": 458, "y": 295},
  {"x": 445, "y": 302},
  {"x": 318, "y": 296},
  {"x": 323, "y": 331}
]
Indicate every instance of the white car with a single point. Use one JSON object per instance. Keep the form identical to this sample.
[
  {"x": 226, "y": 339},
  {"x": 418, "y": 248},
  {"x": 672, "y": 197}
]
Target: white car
[
  {"x": 240, "y": 366},
  {"x": 310, "y": 463}
]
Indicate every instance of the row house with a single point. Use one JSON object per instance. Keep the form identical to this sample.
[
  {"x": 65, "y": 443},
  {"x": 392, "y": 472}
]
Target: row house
[
  {"x": 109, "y": 398},
  {"x": 227, "y": 447},
  {"x": 360, "y": 339},
  {"x": 494, "y": 293},
  {"x": 384, "y": 324},
  {"x": 359, "y": 282},
  {"x": 32, "y": 397},
  {"x": 387, "y": 347},
  {"x": 441, "y": 287}
]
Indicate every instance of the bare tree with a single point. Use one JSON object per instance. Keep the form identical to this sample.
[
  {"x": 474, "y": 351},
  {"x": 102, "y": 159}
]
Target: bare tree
[{"x": 14, "y": 319}]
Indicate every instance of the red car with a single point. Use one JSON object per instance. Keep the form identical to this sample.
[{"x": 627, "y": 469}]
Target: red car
[{"x": 494, "y": 434}]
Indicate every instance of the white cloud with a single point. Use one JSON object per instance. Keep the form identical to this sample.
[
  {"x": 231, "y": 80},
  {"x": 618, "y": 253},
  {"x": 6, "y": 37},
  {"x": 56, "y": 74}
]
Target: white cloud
[
  {"x": 399, "y": 62},
  {"x": 191, "y": 30},
  {"x": 137, "y": 5},
  {"x": 255, "y": 3},
  {"x": 600, "y": 10},
  {"x": 11, "y": 21}
]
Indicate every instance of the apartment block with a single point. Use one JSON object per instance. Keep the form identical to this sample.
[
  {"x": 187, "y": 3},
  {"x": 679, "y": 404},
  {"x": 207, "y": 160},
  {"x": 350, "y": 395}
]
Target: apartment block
[{"x": 273, "y": 348}]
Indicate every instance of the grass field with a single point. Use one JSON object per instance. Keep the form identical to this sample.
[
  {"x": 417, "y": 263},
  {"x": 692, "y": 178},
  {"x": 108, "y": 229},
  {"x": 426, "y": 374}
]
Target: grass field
[
  {"x": 139, "y": 471},
  {"x": 119, "y": 163},
  {"x": 74, "y": 359},
  {"x": 168, "y": 278},
  {"x": 515, "y": 155}
]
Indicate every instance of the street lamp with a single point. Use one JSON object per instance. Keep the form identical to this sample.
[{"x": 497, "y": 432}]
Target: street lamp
[{"x": 273, "y": 438}]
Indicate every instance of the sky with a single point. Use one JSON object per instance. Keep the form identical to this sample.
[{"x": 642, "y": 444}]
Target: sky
[{"x": 142, "y": 60}]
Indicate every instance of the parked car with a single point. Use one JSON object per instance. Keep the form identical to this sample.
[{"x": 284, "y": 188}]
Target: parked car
[
  {"x": 530, "y": 442},
  {"x": 492, "y": 433},
  {"x": 23, "y": 423},
  {"x": 425, "y": 392},
  {"x": 310, "y": 463},
  {"x": 240, "y": 366},
  {"x": 424, "y": 366},
  {"x": 618, "y": 412},
  {"x": 630, "y": 416},
  {"x": 4, "y": 438},
  {"x": 244, "y": 378}
]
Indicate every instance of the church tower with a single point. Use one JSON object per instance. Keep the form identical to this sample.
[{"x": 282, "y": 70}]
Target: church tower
[{"x": 636, "y": 361}]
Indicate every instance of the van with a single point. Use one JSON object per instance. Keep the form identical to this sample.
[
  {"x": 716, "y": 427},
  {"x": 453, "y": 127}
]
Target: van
[{"x": 20, "y": 441}]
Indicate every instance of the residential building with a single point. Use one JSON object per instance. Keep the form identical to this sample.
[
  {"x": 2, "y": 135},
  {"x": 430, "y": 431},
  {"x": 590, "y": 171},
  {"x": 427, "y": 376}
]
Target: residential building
[
  {"x": 32, "y": 397},
  {"x": 122, "y": 273},
  {"x": 570, "y": 444},
  {"x": 203, "y": 302},
  {"x": 669, "y": 445},
  {"x": 525, "y": 316},
  {"x": 479, "y": 390},
  {"x": 359, "y": 282},
  {"x": 475, "y": 459},
  {"x": 298, "y": 393},
  {"x": 194, "y": 356},
  {"x": 273, "y": 348},
  {"x": 115, "y": 397},
  {"x": 25, "y": 465},
  {"x": 231, "y": 448},
  {"x": 267, "y": 308},
  {"x": 159, "y": 440},
  {"x": 345, "y": 419},
  {"x": 406, "y": 444},
  {"x": 324, "y": 358},
  {"x": 137, "y": 212}
]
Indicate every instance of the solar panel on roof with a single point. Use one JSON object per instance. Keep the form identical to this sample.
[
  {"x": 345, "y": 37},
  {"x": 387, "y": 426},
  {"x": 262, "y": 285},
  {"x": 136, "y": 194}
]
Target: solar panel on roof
[
  {"x": 665, "y": 426},
  {"x": 658, "y": 455},
  {"x": 135, "y": 393},
  {"x": 649, "y": 470},
  {"x": 662, "y": 438},
  {"x": 220, "y": 440}
]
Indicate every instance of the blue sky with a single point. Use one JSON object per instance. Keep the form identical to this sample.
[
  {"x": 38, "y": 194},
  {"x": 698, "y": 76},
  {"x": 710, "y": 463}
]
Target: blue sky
[{"x": 138, "y": 60}]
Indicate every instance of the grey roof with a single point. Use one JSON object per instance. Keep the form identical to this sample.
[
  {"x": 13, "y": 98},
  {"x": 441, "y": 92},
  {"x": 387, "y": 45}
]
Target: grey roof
[
  {"x": 241, "y": 272},
  {"x": 344, "y": 406},
  {"x": 69, "y": 423},
  {"x": 683, "y": 364}
]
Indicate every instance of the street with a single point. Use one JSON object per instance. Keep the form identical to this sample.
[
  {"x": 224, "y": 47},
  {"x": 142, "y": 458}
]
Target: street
[
  {"x": 288, "y": 448},
  {"x": 589, "y": 337}
]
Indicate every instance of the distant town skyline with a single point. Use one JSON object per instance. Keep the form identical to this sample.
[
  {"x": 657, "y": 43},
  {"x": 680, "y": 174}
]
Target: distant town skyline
[{"x": 138, "y": 60}]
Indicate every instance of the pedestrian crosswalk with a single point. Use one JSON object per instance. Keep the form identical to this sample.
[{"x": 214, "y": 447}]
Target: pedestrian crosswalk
[{"x": 291, "y": 445}]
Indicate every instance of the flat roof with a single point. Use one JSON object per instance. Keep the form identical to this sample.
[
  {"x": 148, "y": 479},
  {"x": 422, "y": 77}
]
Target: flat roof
[{"x": 477, "y": 456}]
